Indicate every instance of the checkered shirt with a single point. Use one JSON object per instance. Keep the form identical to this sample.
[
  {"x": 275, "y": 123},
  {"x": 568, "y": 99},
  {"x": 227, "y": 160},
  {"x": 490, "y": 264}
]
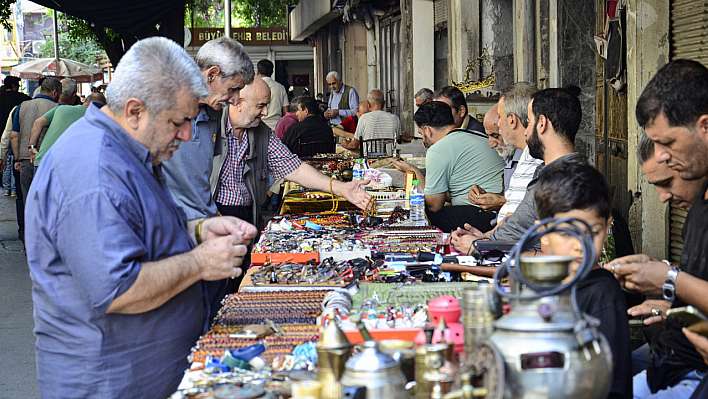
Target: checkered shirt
[{"x": 232, "y": 186}]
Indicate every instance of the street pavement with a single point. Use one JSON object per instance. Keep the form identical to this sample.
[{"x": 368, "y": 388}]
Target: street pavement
[{"x": 17, "y": 374}]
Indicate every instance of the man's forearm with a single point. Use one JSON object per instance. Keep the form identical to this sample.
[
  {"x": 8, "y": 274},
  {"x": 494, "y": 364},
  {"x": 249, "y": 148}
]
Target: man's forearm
[
  {"x": 37, "y": 127},
  {"x": 4, "y": 143},
  {"x": 157, "y": 283},
  {"x": 692, "y": 291},
  {"x": 15, "y": 144},
  {"x": 420, "y": 176}
]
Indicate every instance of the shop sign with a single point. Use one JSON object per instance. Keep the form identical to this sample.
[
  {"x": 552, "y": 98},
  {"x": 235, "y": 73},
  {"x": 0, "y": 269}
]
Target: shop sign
[{"x": 274, "y": 36}]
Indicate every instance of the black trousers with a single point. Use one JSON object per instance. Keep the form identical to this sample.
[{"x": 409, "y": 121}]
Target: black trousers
[
  {"x": 217, "y": 290},
  {"x": 451, "y": 217},
  {"x": 19, "y": 205}
]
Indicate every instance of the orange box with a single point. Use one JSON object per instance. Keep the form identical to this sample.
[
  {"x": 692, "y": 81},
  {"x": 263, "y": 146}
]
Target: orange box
[{"x": 405, "y": 334}]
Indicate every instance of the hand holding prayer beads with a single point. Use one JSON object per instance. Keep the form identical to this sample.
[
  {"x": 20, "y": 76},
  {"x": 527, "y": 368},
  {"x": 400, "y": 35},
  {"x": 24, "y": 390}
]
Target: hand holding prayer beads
[{"x": 219, "y": 258}]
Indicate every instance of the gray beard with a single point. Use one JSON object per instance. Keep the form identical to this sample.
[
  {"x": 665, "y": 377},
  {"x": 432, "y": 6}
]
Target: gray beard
[{"x": 505, "y": 151}]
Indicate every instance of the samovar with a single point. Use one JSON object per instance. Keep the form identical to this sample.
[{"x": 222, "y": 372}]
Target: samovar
[{"x": 549, "y": 348}]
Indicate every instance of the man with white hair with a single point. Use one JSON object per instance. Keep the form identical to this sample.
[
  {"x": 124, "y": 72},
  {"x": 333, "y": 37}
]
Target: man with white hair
[
  {"x": 226, "y": 68},
  {"x": 68, "y": 92},
  {"x": 423, "y": 96},
  {"x": 117, "y": 272},
  {"x": 343, "y": 100}
]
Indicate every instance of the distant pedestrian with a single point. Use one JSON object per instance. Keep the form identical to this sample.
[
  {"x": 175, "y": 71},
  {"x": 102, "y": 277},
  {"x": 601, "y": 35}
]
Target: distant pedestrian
[
  {"x": 22, "y": 120},
  {"x": 56, "y": 121},
  {"x": 278, "y": 105},
  {"x": 343, "y": 99},
  {"x": 423, "y": 96}
]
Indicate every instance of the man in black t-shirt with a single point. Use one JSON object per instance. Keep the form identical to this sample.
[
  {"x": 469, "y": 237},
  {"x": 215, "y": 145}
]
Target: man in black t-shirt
[{"x": 673, "y": 110}]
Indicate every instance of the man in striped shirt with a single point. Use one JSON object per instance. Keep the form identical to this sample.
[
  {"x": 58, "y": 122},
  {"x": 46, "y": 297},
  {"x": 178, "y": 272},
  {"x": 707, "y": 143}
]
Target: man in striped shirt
[{"x": 375, "y": 124}]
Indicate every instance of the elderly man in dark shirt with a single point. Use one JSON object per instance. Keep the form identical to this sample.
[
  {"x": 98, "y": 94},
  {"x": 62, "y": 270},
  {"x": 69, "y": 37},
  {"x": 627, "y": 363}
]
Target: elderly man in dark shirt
[
  {"x": 117, "y": 272},
  {"x": 311, "y": 135}
]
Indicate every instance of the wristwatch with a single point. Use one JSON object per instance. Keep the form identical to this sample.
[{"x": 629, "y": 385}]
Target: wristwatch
[{"x": 668, "y": 290}]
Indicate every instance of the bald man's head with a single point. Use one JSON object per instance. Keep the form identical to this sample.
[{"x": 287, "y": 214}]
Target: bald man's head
[
  {"x": 252, "y": 105},
  {"x": 491, "y": 120}
]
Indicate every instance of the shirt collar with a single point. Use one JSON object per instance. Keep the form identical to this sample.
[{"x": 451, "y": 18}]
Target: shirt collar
[
  {"x": 44, "y": 96},
  {"x": 96, "y": 117},
  {"x": 203, "y": 114}
]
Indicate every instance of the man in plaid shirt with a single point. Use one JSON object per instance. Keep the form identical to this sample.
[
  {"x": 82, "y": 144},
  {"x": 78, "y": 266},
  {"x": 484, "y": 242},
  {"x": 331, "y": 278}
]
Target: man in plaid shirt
[{"x": 250, "y": 152}]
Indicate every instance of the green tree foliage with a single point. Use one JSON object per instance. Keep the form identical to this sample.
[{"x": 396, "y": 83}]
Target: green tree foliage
[
  {"x": 76, "y": 40},
  {"x": 82, "y": 51},
  {"x": 6, "y": 7},
  {"x": 262, "y": 12},
  {"x": 244, "y": 13}
]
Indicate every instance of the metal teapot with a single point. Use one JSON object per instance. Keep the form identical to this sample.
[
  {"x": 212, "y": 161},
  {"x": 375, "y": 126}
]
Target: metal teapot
[
  {"x": 550, "y": 349},
  {"x": 374, "y": 373}
]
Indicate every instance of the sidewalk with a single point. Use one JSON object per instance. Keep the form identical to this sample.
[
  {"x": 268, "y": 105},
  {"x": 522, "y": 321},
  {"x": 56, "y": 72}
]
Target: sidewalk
[{"x": 17, "y": 376}]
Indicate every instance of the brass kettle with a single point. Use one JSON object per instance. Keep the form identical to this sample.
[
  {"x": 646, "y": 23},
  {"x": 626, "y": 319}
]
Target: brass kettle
[{"x": 333, "y": 350}]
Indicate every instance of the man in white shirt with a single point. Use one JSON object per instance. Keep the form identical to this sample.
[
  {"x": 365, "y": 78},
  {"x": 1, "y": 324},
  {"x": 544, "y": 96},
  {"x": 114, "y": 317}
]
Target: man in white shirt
[
  {"x": 278, "y": 105},
  {"x": 375, "y": 124},
  {"x": 512, "y": 125}
]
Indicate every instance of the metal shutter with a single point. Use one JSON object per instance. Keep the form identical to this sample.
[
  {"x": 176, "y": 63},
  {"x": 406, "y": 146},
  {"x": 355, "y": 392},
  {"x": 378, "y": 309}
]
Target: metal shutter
[
  {"x": 440, "y": 8},
  {"x": 689, "y": 39}
]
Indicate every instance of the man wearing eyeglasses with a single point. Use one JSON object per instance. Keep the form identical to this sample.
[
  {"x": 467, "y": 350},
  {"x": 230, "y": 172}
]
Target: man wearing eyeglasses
[{"x": 343, "y": 100}]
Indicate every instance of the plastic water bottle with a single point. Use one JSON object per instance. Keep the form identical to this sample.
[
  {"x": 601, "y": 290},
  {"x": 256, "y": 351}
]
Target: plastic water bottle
[
  {"x": 417, "y": 205},
  {"x": 357, "y": 170}
]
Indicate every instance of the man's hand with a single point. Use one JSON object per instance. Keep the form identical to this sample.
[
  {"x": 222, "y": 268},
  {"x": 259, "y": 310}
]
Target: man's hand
[
  {"x": 219, "y": 258},
  {"x": 651, "y": 310},
  {"x": 355, "y": 193},
  {"x": 403, "y": 166},
  {"x": 639, "y": 273},
  {"x": 18, "y": 165},
  {"x": 331, "y": 113},
  {"x": 700, "y": 342},
  {"x": 221, "y": 226},
  {"x": 463, "y": 239},
  {"x": 486, "y": 201},
  {"x": 33, "y": 154}
]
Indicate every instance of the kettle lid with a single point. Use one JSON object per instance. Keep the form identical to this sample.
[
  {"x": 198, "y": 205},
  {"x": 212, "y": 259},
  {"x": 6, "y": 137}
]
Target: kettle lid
[{"x": 371, "y": 359}]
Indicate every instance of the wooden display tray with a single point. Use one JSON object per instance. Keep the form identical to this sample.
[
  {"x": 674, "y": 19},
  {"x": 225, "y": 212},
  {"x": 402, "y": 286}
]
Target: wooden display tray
[{"x": 260, "y": 259}]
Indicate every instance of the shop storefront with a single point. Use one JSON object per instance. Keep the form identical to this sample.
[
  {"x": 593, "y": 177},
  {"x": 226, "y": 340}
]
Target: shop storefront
[{"x": 293, "y": 60}]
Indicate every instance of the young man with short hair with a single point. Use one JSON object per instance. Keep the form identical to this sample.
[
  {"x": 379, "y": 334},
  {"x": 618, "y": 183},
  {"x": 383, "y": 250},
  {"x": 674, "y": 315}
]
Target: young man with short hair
[
  {"x": 571, "y": 188},
  {"x": 455, "y": 161}
]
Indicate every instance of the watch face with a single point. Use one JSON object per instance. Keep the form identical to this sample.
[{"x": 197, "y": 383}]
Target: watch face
[{"x": 668, "y": 292}]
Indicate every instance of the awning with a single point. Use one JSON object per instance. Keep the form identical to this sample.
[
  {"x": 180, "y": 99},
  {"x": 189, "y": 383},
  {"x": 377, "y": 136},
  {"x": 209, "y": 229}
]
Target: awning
[
  {"x": 309, "y": 16},
  {"x": 120, "y": 15}
]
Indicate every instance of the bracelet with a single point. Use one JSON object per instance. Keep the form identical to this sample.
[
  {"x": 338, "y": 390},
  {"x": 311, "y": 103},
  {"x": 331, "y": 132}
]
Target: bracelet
[{"x": 198, "y": 231}]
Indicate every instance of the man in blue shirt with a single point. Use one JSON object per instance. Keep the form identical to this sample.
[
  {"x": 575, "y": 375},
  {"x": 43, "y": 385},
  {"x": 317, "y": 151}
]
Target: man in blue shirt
[
  {"x": 226, "y": 68},
  {"x": 117, "y": 272}
]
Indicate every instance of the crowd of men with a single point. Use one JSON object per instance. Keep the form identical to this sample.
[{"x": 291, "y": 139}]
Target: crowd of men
[{"x": 139, "y": 206}]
